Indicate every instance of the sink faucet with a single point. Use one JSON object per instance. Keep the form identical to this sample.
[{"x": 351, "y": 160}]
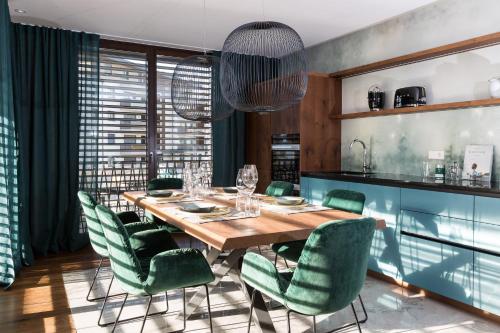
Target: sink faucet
[{"x": 366, "y": 166}]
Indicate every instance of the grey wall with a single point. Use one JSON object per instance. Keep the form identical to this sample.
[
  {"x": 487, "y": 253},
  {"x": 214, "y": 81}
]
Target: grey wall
[
  {"x": 442, "y": 22},
  {"x": 399, "y": 144}
]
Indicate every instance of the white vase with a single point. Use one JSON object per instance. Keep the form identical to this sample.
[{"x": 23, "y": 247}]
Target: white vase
[{"x": 494, "y": 87}]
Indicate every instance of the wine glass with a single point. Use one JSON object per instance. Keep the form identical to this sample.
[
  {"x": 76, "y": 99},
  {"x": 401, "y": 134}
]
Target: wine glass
[
  {"x": 240, "y": 183},
  {"x": 250, "y": 177}
]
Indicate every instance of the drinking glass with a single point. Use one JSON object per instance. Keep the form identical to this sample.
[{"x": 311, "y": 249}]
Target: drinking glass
[
  {"x": 253, "y": 206},
  {"x": 240, "y": 183},
  {"x": 250, "y": 177}
]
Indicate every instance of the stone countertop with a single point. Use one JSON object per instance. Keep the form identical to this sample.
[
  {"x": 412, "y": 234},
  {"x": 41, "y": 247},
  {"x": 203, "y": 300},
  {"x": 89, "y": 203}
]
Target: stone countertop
[{"x": 488, "y": 189}]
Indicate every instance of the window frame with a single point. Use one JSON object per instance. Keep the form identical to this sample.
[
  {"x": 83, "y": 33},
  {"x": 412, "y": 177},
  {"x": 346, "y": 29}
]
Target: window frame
[{"x": 151, "y": 52}]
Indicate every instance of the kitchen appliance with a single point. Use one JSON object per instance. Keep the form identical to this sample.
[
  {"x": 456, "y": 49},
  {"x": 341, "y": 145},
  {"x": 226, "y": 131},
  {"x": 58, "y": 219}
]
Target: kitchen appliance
[
  {"x": 494, "y": 87},
  {"x": 376, "y": 98},
  {"x": 409, "y": 97},
  {"x": 285, "y": 164}
]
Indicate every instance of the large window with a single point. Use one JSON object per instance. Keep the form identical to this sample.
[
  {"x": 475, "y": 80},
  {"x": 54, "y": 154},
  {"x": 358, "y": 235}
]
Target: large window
[
  {"x": 178, "y": 140},
  {"x": 140, "y": 135}
]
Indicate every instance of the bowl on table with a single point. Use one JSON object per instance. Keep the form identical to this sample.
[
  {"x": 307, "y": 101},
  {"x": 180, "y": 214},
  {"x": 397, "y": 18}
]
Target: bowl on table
[
  {"x": 230, "y": 190},
  {"x": 290, "y": 201},
  {"x": 159, "y": 193},
  {"x": 197, "y": 207}
]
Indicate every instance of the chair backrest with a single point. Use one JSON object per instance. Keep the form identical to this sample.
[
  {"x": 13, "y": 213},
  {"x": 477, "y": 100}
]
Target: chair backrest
[
  {"x": 164, "y": 184},
  {"x": 279, "y": 188},
  {"x": 96, "y": 234},
  {"x": 349, "y": 201},
  {"x": 332, "y": 268},
  {"x": 124, "y": 263}
]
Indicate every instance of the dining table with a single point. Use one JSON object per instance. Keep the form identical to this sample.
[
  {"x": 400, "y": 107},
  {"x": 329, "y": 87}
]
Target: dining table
[{"x": 229, "y": 239}]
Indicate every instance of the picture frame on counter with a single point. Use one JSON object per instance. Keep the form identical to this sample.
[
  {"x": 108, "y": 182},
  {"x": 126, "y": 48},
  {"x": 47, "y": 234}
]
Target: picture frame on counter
[{"x": 478, "y": 162}]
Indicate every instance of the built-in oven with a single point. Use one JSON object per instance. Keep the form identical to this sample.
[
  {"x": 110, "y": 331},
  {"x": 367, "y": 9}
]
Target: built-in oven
[{"x": 285, "y": 164}]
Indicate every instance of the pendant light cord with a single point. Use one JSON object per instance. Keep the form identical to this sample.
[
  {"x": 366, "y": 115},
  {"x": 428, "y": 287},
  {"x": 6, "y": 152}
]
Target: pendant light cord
[{"x": 204, "y": 30}]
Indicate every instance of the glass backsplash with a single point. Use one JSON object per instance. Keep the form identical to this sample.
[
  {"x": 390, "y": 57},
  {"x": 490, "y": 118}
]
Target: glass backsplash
[{"x": 400, "y": 143}]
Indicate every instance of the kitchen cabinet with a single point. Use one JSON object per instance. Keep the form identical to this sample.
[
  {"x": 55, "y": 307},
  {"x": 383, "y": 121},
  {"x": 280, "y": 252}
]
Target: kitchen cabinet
[
  {"x": 444, "y": 242},
  {"x": 313, "y": 118}
]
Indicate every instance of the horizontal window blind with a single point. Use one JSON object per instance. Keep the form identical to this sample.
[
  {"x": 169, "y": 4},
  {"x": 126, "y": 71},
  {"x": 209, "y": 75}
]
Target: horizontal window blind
[
  {"x": 123, "y": 124},
  {"x": 179, "y": 140}
]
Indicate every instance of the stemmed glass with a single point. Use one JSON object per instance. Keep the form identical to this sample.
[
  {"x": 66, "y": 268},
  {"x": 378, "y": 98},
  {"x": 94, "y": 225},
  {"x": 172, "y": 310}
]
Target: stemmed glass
[{"x": 250, "y": 177}]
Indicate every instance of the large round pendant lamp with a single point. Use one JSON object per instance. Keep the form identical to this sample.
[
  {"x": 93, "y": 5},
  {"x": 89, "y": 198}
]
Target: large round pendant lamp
[
  {"x": 196, "y": 92},
  {"x": 263, "y": 67}
]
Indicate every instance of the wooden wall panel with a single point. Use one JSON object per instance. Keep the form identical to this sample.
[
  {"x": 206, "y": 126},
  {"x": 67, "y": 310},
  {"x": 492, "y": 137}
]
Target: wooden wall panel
[
  {"x": 286, "y": 121},
  {"x": 258, "y": 146},
  {"x": 319, "y": 130}
]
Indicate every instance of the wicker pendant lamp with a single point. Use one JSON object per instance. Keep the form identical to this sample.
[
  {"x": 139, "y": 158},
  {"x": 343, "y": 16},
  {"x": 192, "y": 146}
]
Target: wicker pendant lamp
[
  {"x": 196, "y": 91},
  {"x": 263, "y": 67}
]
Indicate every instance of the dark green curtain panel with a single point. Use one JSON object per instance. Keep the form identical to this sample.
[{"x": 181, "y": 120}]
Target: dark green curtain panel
[
  {"x": 228, "y": 145},
  {"x": 10, "y": 245},
  {"x": 54, "y": 89}
]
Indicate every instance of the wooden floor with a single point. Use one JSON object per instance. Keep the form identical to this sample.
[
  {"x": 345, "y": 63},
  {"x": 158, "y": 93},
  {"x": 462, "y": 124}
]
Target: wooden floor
[{"x": 37, "y": 300}]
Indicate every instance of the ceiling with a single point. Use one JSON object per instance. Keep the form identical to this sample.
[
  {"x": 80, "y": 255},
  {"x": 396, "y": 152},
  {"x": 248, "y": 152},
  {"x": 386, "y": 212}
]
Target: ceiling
[{"x": 180, "y": 22}]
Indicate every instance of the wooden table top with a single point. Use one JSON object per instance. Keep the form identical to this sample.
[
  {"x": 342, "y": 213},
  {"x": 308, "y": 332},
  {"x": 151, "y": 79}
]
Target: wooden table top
[{"x": 266, "y": 229}]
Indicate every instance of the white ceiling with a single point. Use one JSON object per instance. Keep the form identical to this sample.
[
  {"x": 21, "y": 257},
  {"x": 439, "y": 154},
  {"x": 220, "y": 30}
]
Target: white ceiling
[{"x": 180, "y": 22}]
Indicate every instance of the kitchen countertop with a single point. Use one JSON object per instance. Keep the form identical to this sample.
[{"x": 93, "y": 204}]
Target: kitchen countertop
[{"x": 407, "y": 181}]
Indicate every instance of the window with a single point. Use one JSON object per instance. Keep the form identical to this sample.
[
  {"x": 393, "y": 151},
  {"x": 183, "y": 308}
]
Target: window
[
  {"x": 178, "y": 140},
  {"x": 123, "y": 124},
  {"x": 133, "y": 128}
]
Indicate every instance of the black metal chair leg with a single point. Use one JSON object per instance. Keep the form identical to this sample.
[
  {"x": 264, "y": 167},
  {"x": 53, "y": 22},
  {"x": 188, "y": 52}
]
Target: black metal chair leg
[
  {"x": 275, "y": 259},
  {"x": 288, "y": 320},
  {"x": 209, "y": 311},
  {"x": 166, "y": 300},
  {"x": 119, "y": 313},
  {"x": 251, "y": 310},
  {"x": 356, "y": 317},
  {"x": 146, "y": 315},
  {"x": 128, "y": 319},
  {"x": 364, "y": 310},
  {"x": 104, "y": 304},
  {"x": 286, "y": 263},
  {"x": 93, "y": 282},
  {"x": 314, "y": 324},
  {"x": 184, "y": 308}
]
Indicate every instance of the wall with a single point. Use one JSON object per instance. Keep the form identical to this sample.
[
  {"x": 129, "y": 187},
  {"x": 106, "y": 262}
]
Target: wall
[{"x": 400, "y": 143}]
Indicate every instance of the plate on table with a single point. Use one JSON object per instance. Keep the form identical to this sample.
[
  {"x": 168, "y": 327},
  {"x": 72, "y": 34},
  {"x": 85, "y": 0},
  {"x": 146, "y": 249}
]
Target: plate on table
[
  {"x": 290, "y": 201},
  {"x": 197, "y": 207},
  {"x": 230, "y": 190},
  {"x": 160, "y": 193}
]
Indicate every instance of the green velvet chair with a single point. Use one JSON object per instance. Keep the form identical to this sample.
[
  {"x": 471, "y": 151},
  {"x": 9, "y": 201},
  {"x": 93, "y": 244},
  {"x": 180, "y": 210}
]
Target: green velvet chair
[
  {"x": 146, "y": 240},
  {"x": 346, "y": 200},
  {"x": 329, "y": 275},
  {"x": 163, "y": 184},
  {"x": 279, "y": 189},
  {"x": 172, "y": 269}
]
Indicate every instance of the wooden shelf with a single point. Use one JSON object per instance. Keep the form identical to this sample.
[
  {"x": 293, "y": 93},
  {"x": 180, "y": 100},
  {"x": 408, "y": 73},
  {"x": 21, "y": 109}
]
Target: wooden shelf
[
  {"x": 436, "y": 52},
  {"x": 424, "y": 108}
]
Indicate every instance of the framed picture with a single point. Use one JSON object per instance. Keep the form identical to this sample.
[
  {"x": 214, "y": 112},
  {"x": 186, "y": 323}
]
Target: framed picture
[{"x": 478, "y": 161}]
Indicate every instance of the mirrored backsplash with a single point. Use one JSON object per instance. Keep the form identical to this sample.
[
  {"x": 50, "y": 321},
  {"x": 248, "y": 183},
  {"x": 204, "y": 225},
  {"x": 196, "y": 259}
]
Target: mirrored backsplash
[{"x": 399, "y": 144}]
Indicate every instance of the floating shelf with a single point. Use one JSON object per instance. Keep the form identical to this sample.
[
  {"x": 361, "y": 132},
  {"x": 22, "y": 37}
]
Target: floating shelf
[
  {"x": 436, "y": 52},
  {"x": 424, "y": 108}
]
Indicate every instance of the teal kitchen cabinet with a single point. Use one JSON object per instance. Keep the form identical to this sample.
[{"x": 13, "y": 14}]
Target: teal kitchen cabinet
[
  {"x": 438, "y": 227},
  {"x": 487, "y": 254},
  {"x": 444, "y": 269},
  {"x": 315, "y": 189},
  {"x": 460, "y": 206},
  {"x": 382, "y": 202}
]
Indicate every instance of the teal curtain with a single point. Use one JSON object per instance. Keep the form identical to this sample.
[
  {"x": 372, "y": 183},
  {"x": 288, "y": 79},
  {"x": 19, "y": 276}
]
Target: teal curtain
[
  {"x": 52, "y": 96},
  {"x": 228, "y": 144},
  {"x": 228, "y": 148},
  {"x": 10, "y": 245}
]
